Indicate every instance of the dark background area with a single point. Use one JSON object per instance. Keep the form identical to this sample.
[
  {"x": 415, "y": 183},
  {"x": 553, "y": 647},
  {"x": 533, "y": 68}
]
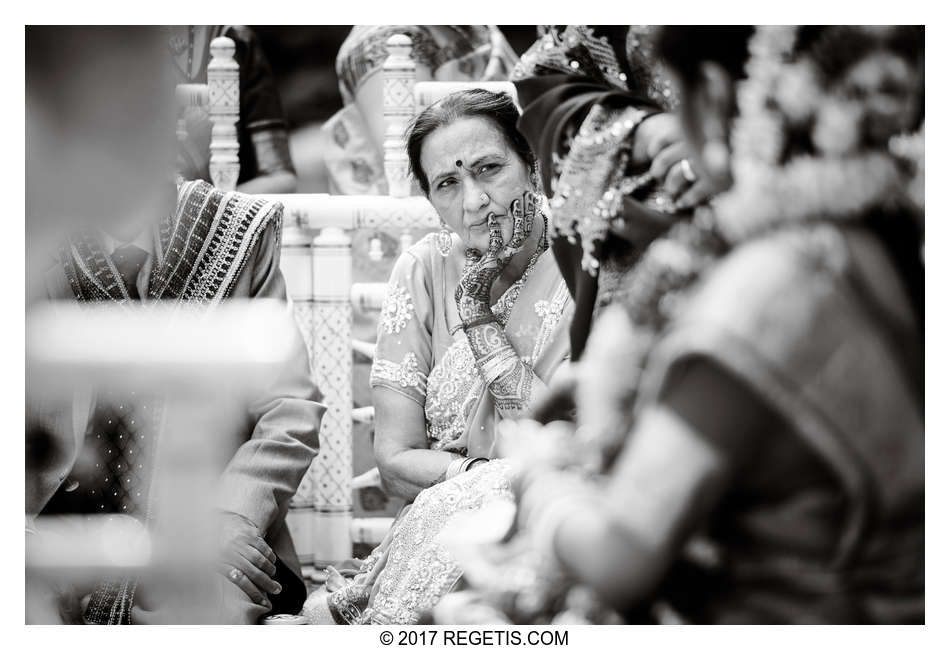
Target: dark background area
[{"x": 303, "y": 58}]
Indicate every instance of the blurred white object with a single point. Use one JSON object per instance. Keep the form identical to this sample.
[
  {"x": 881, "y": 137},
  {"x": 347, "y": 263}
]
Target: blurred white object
[
  {"x": 99, "y": 544},
  {"x": 160, "y": 347},
  {"x": 365, "y": 414}
]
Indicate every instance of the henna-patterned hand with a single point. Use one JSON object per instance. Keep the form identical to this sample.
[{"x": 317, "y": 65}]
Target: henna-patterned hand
[{"x": 473, "y": 295}]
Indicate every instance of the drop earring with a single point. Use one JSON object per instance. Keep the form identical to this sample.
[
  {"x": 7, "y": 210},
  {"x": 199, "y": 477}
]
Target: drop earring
[
  {"x": 443, "y": 240},
  {"x": 536, "y": 178}
]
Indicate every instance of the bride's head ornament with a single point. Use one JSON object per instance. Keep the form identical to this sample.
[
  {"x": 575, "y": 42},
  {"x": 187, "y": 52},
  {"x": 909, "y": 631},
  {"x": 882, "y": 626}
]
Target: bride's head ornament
[{"x": 829, "y": 122}]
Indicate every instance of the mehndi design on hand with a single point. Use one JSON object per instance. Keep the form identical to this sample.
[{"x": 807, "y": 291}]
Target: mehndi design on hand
[
  {"x": 509, "y": 379},
  {"x": 473, "y": 295}
]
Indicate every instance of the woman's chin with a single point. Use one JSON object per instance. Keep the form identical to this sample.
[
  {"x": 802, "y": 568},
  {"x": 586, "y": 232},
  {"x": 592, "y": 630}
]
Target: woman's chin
[{"x": 478, "y": 239}]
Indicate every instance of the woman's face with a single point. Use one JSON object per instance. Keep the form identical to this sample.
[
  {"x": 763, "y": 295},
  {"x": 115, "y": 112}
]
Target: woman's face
[{"x": 472, "y": 172}]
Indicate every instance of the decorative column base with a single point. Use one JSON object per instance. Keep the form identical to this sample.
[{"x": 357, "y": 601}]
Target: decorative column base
[{"x": 331, "y": 537}]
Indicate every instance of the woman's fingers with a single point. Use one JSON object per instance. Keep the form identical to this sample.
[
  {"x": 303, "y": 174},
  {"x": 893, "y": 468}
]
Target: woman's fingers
[
  {"x": 679, "y": 179},
  {"x": 495, "y": 239},
  {"x": 699, "y": 193},
  {"x": 666, "y": 158},
  {"x": 518, "y": 227}
]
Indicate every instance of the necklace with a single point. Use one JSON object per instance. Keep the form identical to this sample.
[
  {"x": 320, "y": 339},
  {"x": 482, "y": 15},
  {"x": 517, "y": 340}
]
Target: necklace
[{"x": 502, "y": 308}]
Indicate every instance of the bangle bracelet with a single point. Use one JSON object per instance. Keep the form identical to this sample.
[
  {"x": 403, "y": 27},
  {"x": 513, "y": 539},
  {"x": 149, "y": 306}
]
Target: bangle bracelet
[
  {"x": 472, "y": 462},
  {"x": 479, "y": 320},
  {"x": 456, "y": 467}
]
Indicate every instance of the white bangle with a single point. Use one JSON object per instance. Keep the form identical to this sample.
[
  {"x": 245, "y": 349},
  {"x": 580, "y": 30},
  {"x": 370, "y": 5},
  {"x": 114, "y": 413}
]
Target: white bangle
[{"x": 456, "y": 467}]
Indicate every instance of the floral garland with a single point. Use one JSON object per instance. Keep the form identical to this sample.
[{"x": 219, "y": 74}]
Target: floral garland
[
  {"x": 769, "y": 193},
  {"x": 842, "y": 180}
]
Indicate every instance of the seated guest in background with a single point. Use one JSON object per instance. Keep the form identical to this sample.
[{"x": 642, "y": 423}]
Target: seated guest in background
[
  {"x": 354, "y": 143},
  {"x": 470, "y": 334},
  {"x": 191, "y": 246},
  {"x": 771, "y": 360},
  {"x": 266, "y": 166}
]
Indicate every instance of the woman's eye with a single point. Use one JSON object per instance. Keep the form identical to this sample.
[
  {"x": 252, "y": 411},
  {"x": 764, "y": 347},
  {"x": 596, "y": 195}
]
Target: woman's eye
[
  {"x": 487, "y": 168},
  {"x": 443, "y": 184}
]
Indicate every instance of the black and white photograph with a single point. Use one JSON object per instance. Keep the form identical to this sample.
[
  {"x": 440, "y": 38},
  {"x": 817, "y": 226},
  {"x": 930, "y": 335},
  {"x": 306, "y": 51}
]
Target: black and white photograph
[{"x": 473, "y": 328}]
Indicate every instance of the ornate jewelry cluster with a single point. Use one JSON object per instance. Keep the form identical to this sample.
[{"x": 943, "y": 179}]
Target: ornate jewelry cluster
[{"x": 593, "y": 180}]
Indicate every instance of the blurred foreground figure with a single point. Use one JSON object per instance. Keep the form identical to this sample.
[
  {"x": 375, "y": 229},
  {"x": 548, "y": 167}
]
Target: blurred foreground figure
[
  {"x": 191, "y": 248},
  {"x": 748, "y": 446}
]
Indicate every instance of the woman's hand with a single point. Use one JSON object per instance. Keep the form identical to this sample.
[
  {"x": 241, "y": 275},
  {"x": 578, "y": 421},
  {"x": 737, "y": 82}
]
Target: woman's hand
[
  {"x": 473, "y": 295},
  {"x": 659, "y": 143}
]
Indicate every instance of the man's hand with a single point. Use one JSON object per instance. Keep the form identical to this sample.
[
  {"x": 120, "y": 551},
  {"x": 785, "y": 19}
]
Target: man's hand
[{"x": 246, "y": 559}]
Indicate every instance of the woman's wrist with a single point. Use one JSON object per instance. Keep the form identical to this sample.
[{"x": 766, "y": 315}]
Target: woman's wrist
[
  {"x": 462, "y": 464},
  {"x": 494, "y": 356},
  {"x": 482, "y": 319}
]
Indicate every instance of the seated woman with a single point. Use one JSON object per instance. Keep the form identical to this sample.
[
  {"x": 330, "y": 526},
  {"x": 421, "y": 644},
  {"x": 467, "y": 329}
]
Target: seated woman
[
  {"x": 469, "y": 335},
  {"x": 266, "y": 166},
  {"x": 770, "y": 361}
]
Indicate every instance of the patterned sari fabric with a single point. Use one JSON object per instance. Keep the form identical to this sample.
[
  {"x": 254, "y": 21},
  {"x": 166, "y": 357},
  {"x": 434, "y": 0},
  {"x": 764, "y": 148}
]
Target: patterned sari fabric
[
  {"x": 201, "y": 250},
  {"x": 418, "y": 356}
]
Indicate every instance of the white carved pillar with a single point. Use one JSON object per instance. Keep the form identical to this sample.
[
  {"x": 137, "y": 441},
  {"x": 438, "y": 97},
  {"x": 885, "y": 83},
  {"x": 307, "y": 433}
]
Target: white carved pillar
[
  {"x": 224, "y": 96},
  {"x": 332, "y": 362},
  {"x": 296, "y": 264},
  {"x": 399, "y": 77},
  {"x": 317, "y": 271}
]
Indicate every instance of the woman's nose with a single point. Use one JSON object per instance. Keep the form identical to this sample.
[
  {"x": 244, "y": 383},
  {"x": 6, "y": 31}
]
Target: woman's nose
[{"x": 473, "y": 197}]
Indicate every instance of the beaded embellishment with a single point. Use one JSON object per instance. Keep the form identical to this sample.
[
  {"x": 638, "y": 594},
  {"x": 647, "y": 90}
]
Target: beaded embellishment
[
  {"x": 405, "y": 374},
  {"x": 397, "y": 309},
  {"x": 593, "y": 180}
]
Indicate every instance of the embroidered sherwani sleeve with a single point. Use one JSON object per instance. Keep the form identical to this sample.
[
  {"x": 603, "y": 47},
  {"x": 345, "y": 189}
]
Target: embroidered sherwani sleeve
[
  {"x": 404, "y": 335},
  {"x": 264, "y": 474}
]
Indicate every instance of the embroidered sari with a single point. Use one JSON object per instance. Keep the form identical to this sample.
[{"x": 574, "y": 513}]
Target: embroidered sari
[{"x": 418, "y": 356}]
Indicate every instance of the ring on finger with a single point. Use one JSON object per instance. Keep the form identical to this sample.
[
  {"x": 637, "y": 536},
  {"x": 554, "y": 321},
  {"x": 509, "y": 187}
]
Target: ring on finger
[
  {"x": 235, "y": 575},
  {"x": 687, "y": 170}
]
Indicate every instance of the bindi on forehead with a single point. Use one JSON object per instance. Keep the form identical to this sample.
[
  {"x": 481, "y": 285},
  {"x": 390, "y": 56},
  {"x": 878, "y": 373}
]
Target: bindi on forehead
[{"x": 452, "y": 148}]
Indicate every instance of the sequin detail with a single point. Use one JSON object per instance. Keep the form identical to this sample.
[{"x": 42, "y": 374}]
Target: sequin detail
[
  {"x": 453, "y": 389},
  {"x": 397, "y": 309},
  {"x": 405, "y": 374}
]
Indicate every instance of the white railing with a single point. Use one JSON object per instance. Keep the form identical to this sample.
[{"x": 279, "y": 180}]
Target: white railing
[{"x": 316, "y": 261}]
